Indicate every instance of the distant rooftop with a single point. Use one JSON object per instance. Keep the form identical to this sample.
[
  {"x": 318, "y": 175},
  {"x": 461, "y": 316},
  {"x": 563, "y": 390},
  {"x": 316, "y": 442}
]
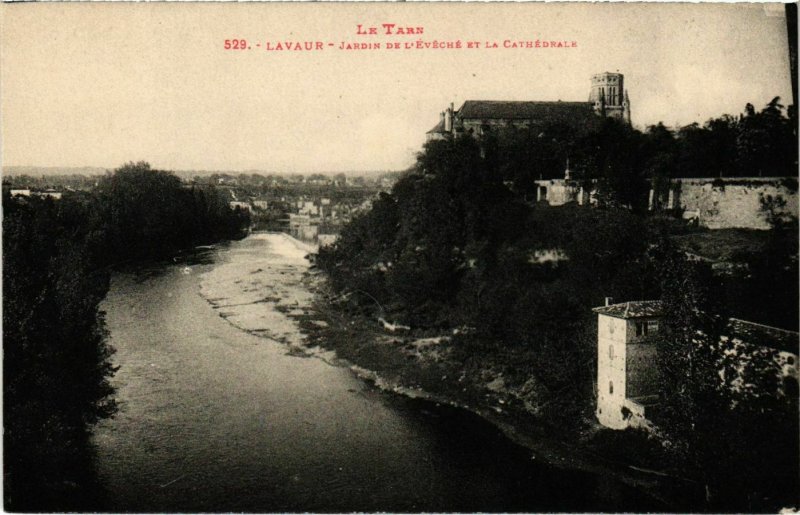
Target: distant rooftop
[
  {"x": 764, "y": 335},
  {"x": 634, "y": 309}
]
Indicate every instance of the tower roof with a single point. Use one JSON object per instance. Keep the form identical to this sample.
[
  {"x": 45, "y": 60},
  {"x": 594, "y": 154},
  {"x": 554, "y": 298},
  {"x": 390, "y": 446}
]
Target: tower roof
[{"x": 635, "y": 309}]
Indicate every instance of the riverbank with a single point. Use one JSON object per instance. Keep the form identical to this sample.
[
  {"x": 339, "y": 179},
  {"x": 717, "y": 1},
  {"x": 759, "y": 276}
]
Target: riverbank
[
  {"x": 276, "y": 294},
  {"x": 422, "y": 365}
]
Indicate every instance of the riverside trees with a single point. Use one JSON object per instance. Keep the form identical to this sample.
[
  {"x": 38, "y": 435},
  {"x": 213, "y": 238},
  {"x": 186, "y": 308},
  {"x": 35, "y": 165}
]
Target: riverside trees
[{"x": 56, "y": 360}]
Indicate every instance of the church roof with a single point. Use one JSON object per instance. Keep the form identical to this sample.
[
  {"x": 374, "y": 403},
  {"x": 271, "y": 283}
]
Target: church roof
[{"x": 570, "y": 112}]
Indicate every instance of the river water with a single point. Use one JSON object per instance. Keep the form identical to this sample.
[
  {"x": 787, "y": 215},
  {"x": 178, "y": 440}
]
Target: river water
[{"x": 217, "y": 414}]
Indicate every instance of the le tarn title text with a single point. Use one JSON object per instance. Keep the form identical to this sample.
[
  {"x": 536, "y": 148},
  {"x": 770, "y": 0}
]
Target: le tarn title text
[{"x": 393, "y": 36}]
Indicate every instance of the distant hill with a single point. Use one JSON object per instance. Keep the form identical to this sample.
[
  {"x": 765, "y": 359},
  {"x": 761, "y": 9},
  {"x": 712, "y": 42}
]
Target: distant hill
[{"x": 36, "y": 171}]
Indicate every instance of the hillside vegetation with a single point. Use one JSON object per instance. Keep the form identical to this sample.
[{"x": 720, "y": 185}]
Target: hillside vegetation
[{"x": 455, "y": 248}]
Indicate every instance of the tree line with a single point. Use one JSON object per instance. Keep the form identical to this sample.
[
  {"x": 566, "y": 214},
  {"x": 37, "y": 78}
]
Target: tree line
[
  {"x": 57, "y": 257},
  {"x": 626, "y": 161}
]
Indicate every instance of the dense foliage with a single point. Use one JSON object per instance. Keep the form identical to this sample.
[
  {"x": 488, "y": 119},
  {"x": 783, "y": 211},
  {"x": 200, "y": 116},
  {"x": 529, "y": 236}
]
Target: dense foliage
[
  {"x": 453, "y": 246},
  {"x": 56, "y": 362},
  {"x": 457, "y": 244},
  {"x": 624, "y": 161},
  {"x": 729, "y": 418},
  {"x": 143, "y": 213}
]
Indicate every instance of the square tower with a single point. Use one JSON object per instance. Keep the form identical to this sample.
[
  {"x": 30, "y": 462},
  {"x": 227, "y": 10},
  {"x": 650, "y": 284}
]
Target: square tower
[
  {"x": 627, "y": 372},
  {"x": 609, "y": 97}
]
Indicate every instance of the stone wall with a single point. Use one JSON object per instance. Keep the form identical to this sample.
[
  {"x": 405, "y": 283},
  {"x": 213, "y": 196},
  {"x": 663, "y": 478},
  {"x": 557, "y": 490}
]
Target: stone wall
[
  {"x": 734, "y": 202},
  {"x": 642, "y": 378},
  {"x": 611, "y": 338}
]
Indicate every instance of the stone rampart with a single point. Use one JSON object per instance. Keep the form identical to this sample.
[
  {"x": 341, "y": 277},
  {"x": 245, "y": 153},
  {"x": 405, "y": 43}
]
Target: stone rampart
[{"x": 741, "y": 202}]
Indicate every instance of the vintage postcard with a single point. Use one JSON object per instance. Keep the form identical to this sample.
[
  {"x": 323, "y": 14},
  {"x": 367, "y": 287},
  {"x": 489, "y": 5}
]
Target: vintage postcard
[{"x": 399, "y": 257}]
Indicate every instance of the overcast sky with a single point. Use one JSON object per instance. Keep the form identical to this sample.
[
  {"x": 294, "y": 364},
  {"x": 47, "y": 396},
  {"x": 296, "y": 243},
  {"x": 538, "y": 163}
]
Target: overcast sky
[{"x": 101, "y": 84}]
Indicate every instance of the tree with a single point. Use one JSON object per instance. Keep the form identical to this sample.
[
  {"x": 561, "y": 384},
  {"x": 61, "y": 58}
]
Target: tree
[
  {"x": 150, "y": 214},
  {"x": 56, "y": 363},
  {"x": 721, "y": 411},
  {"x": 766, "y": 145},
  {"x": 613, "y": 156}
]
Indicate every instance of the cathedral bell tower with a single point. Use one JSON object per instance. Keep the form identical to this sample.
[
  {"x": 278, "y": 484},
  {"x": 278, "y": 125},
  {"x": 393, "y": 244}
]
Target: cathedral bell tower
[{"x": 609, "y": 97}]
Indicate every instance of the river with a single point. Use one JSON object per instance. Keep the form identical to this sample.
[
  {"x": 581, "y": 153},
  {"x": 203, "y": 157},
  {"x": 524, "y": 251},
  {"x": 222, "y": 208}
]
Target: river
[{"x": 218, "y": 414}]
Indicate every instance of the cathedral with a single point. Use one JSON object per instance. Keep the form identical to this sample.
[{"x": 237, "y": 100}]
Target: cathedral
[{"x": 607, "y": 98}]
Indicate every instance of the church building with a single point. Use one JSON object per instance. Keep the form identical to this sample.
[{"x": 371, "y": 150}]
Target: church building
[{"x": 607, "y": 98}]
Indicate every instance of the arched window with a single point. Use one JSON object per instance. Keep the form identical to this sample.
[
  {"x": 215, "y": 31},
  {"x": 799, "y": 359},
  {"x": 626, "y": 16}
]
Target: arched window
[
  {"x": 611, "y": 387},
  {"x": 610, "y": 352}
]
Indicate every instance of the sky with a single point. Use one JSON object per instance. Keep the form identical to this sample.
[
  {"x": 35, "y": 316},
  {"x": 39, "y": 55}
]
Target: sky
[{"x": 101, "y": 84}]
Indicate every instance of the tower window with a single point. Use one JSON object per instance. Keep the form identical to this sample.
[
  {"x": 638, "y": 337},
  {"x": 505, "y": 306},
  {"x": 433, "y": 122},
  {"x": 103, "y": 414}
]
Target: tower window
[
  {"x": 645, "y": 327},
  {"x": 611, "y": 387},
  {"x": 610, "y": 352}
]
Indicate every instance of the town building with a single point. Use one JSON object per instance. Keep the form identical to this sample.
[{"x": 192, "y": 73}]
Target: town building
[
  {"x": 239, "y": 204},
  {"x": 607, "y": 98},
  {"x": 627, "y": 369},
  {"x": 48, "y": 193},
  {"x": 557, "y": 192}
]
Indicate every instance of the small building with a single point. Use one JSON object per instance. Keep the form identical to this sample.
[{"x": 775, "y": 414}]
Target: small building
[
  {"x": 48, "y": 193},
  {"x": 307, "y": 207},
  {"x": 557, "y": 192},
  {"x": 299, "y": 219},
  {"x": 20, "y": 192},
  {"x": 627, "y": 370},
  {"x": 326, "y": 240},
  {"x": 627, "y": 375},
  {"x": 241, "y": 205}
]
